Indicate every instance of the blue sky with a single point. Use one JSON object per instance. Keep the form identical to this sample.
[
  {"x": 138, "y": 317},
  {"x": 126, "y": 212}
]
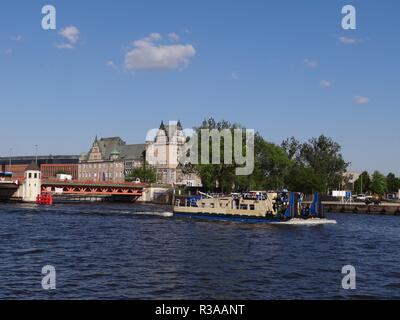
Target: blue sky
[{"x": 281, "y": 67}]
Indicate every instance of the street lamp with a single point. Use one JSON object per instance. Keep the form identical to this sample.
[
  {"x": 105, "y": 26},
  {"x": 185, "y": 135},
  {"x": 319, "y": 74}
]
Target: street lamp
[
  {"x": 36, "y": 153},
  {"x": 10, "y": 158}
]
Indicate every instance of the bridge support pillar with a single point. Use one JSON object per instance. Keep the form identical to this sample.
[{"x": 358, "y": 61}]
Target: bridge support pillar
[{"x": 32, "y": 185}]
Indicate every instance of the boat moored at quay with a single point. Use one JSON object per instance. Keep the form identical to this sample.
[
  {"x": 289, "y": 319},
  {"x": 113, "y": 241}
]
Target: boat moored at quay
[{"x": 254, "y": 207}]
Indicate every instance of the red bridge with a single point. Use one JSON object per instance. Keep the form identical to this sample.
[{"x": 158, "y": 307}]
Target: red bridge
[{"x": 90, "y": 188}]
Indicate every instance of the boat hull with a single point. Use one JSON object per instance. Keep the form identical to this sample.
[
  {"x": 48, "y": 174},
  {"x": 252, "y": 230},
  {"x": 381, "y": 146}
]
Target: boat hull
[{"x": 252, "y": 219}]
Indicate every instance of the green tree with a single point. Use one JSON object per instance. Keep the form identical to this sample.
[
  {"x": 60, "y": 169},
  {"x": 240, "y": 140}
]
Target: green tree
[
  {"x": 270, "y": 164},
  {"x": 324, "y": 156},
  {"x": 146, "y": 174},
  {"x": 378, "y": 184},
  {"x": 305, "y": 179},
  {"x": 218, "y": 177},
  {"x": 362, "y": 184},
  {"x": 292, "y": 148},
  {"x": 393, "y": 183}
]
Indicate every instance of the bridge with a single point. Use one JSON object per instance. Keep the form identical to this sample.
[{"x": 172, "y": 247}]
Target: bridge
[{"x": 90, "y": 188}]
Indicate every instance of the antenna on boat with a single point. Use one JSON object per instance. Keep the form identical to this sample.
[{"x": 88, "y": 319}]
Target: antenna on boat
[{"x": 206, "y": 195}]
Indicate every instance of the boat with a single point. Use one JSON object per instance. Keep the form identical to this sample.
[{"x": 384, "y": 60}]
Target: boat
[
  {"x": 44, "y": 198},
  {"x": 254, "y": 207},
  {"x": 5, "y": 176}
]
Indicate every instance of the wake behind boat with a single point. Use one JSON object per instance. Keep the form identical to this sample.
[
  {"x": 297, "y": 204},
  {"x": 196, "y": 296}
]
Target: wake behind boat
[{"x": 254, "y": 207}]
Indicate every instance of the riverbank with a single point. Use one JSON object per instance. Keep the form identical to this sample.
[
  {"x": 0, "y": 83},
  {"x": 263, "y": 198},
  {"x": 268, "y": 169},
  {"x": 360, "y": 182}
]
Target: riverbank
[{"x": 362, "y": 208}]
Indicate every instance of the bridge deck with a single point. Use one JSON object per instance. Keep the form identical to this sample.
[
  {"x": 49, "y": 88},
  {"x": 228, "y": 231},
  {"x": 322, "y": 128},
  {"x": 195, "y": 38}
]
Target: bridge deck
[{"x": 93, "y": 188}]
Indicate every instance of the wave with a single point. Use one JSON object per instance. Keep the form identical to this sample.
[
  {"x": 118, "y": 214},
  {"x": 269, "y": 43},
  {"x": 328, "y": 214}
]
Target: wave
[
  {"x": 307, "y": 222},
  {"x": 29, "y": 251},
  {"x": 152, "y": 213}
]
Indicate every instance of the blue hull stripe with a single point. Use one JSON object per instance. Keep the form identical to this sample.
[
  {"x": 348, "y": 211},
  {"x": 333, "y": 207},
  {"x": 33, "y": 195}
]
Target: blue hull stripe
[{"x": 228, "y": 218}]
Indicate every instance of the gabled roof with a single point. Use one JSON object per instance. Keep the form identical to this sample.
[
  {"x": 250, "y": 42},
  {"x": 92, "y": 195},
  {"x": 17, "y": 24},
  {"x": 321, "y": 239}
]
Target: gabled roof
[
  {"x": 116, "y": 146},
  {"x": 32, "y": 167},
  {"x": 132, "y": 151},
  {"x": 170, "y": 129}
]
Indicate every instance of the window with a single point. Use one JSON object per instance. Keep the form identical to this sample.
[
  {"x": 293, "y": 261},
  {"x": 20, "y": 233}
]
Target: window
[{"x": 252, "y": 207}]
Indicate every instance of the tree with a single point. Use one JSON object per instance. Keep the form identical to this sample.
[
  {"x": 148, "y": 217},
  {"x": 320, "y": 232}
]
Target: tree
[
  {"x": 393, "y": 183},
  {"x": 323, "y": 155},
  {"x": 146, "y": 174},
  {"x": 305, "y": 179},
  {"x": 362, "y": 184},
  {"x": 270, "y": 164},
  {"x": 292, "y": 148},
  {"x": 378, "y": 184}
]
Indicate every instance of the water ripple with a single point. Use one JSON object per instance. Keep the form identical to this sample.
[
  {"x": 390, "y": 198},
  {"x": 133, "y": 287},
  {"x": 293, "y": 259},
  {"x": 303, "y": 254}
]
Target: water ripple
[{"x": 116, "y": 251}]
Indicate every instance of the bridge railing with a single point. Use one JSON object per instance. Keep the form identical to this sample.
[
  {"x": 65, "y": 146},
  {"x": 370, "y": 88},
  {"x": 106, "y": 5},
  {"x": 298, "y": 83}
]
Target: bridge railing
[{"x": 91, "y": 182}]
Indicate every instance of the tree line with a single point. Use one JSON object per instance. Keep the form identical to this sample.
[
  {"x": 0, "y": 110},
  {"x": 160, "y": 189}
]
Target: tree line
[
  {"x": 377, "y": 183},
  {"x": 314, "y": 165}
]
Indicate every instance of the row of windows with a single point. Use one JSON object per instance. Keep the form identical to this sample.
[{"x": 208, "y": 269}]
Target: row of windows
[
  {"x": 85, "y": 175},
  {"x": 31, "y": 175},
  {"x": 101, "y": 165},
  {"x": 241, "y": 207}
]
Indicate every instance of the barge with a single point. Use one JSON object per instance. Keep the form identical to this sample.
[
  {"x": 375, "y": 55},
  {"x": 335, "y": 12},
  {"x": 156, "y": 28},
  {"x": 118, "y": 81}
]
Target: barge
[{"x": 254, "y": 207}]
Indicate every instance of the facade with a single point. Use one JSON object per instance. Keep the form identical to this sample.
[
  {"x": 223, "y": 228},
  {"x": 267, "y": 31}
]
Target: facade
[
  {"x": 351, "y": 177},
  {"x": 163, "y": 151},
  {"x": 49, "y": 171},
  {"x": 110, "y": 159},
  {"x": 50, "y": 159}
]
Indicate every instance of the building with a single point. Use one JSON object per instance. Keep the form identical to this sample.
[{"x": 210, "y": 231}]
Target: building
[
  {"x": 50, "y": 159},
  {"x": 163, "y": 151},
  {"x": 350, "y": 177},
  {"x": 31, "y": 186},
  {"x": 110, "y": 159},
  {"x": 49, "y": 171}
]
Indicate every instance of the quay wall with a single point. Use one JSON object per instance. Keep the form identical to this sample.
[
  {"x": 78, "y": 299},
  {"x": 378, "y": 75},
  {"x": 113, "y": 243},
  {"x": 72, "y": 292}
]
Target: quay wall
[{"x": 362, "y": 208}]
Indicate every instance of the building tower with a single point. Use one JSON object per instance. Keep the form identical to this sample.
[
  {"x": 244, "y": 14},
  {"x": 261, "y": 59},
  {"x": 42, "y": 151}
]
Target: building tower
[{"x": 32, "y": 184}]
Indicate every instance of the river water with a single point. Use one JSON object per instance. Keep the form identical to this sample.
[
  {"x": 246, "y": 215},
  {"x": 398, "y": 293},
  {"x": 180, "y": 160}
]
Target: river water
[{"x": 120, "y": 251}]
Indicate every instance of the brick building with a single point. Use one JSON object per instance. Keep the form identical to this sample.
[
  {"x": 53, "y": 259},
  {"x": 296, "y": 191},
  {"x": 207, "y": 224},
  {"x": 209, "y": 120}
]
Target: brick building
[
  {"x": 49, "y": 171},
  {"x": 110, "y": 159}
]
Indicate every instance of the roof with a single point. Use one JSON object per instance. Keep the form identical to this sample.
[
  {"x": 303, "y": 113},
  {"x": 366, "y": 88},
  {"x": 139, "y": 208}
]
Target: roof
[
  {"x": 115, "y": 145},
  {"x": 170, "y": 129},
  {"x": 33, "y": 167},
  {"x": 132, "y": 151}
]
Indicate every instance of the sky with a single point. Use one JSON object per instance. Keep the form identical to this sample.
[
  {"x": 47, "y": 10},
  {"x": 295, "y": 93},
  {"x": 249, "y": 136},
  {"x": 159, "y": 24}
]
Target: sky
[{"x": 283, "y": 68}]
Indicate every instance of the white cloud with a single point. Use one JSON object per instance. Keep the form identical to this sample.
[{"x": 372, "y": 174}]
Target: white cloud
[
  {"x": 361, "y": 100},
  {"x": 173, "y": 36},
  {"x": 349, "y": 40},
  {"x": 111, "y": 64},
  {"x": 146, "y": 54},
  {"x": 64, "y": 46},
  {"x": 235, "y": 76},
  {"x": 9, "y": 51},
  {"x": 16, "y": 38},
  {"x": 325, "y": 83},
  {"x": 311, "y": 63},
  {"x": 70, "y": 33}
]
